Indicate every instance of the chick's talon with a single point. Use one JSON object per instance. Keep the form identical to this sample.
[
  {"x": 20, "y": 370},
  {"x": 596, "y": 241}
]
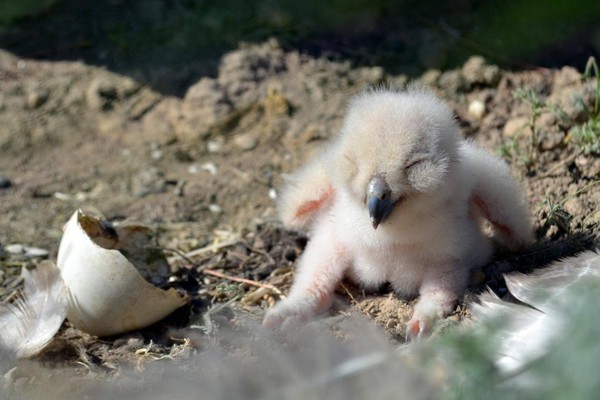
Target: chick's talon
[
  {"x": 414, "y": 329},
  {"x": 427, "y": 313},
  {"x": 419, "y": 329},
  {"x": 285, "y": 314}
]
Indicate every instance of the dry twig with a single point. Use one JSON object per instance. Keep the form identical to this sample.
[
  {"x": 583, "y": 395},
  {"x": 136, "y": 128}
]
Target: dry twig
[
  {"x": 241, "y": 280},
  {"x": 202, "y": 250}
]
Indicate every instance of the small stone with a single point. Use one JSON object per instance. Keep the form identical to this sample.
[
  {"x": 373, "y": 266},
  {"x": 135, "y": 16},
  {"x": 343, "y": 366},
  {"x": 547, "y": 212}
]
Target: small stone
[
  {"x": 101, "y": 93},
  {"x": 144, "y": 102},
  {"x": 183, "y": 156},
  {"x": 551, "y": 140},
  {"x": 476, "y": 109},
  {"x": 581, "y": 161},
  {"x": 517, "y": 126},
  {"x": 206, "y": 107},
  {"x": 15, "y": 249},
  {"x": 477, "y": 72},
  {"x": 194, "y": 169},
  {"x": 245, "y": 142},
  {"x": 37, "y": 98},
  {"x": 566, "y": 77},
  {"x": 75, "y": 96},
  {"x": 373, "y": 75},
  {"x": 147, "y": 181},
  {"x": 451, "y": 81},
  {"x": 572, "y": 102},
  {"x": 5, "y": 183},
  {"x": 391, "y": 324},
  {"x": 593, "y": 171},
  {"x": 156, "y": 152},
  {"x": 215, "y": 145},
  {"x": 215, "y": 208},
  {"x": 209, "y": 167},
  {"x": 273, "y": 194},
  {"x": 275, "y": 103},
  {"x": 29, "y": 252},
  {"x": 127, "y": 87},
  {"x": 546, "y": 120},
  {"x": 33, "y": 252},
  {"x": 431, "y": 77},
  {"x": 491, "y": 75},
  {"x": 401, "y": 81}
]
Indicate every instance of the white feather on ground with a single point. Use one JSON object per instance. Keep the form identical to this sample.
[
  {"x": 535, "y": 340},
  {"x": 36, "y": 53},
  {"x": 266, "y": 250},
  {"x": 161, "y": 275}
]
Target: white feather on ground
[
  {"x": 29, "y": 323},
  {"x": 528, "y": 330}
]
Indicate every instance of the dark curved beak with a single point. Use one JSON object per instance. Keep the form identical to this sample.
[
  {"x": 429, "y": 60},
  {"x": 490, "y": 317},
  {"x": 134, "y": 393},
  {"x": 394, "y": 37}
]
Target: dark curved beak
[{"x": 379, "y": 200}]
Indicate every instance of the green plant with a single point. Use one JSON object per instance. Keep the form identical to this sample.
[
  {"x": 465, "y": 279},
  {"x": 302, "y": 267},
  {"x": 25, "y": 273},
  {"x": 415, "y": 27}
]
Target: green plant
[
  {"x": 557, "y": 216},
  {"x": 587, "y": 136},
  {"x": 537, "y": 107},
  {"x": 229, "y": 290},
  {"x": 592, "y": 66},
  {"x": 509, "y": 148}
]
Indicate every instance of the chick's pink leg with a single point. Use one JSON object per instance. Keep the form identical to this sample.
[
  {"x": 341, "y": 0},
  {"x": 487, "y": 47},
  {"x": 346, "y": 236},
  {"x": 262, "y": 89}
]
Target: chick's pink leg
[
  {"x": 439, "y": 295},
  {"x": 320, "y": 269}
]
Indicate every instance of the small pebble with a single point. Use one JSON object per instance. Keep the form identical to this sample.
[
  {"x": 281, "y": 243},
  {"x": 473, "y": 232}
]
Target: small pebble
[
  {"x": 5, "y": 183},
  {"x": 209, "y": 167},
  {"x": 101, "y": 93},
  {"x": 214, "y": 146},
  {"x": 147, "y": 181},
  {"x": 179, "y": 188},
  {"x": 32, "y": 252},
  {"x": 29, "y": 252},
  {"x": 155, "y": 151},
  {"x": 215, "y": 208},
  {"x": 272, "y": 194},
  {"x": 517, "y": 126},
  {"x": 15, "y": 249},
  {"x": 476, "y": 109},
  {"x": 245, "y": 142},
  {"x": 37, "y": 98},
  {"x": 156, "y": 154}
]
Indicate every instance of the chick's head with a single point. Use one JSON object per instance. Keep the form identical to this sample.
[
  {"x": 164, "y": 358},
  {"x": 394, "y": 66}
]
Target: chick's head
[{"x": 395, "y": 146}]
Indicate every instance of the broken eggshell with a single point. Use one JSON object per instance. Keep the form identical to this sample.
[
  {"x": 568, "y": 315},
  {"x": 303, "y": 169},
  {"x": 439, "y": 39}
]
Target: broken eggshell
[{"x": 102, "y": 267}]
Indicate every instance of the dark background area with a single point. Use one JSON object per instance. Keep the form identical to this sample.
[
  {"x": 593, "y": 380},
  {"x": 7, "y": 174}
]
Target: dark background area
[{"x": 168, "y": 44}]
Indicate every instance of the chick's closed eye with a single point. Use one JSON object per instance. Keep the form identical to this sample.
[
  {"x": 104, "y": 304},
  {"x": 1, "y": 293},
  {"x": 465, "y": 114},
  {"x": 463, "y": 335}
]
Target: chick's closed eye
[{"x": 426, "y": 174}]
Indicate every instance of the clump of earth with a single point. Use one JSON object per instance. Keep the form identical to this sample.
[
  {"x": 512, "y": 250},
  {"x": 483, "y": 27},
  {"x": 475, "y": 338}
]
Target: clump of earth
[{"x": 205, "y": 171}]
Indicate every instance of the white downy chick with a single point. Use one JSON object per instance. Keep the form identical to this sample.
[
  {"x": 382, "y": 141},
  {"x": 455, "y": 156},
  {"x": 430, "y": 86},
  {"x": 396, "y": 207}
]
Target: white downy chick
[{"x": 398, "y": 197}]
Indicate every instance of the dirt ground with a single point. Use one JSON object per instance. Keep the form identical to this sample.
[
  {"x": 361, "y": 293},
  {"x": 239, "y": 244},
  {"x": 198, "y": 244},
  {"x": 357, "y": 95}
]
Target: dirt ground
[{"x": 204, "y": 171}]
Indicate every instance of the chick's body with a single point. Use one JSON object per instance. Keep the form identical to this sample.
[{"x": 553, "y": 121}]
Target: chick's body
[
  {"x": 434, "y": 231},
  {"x": 398, "y": 197}
]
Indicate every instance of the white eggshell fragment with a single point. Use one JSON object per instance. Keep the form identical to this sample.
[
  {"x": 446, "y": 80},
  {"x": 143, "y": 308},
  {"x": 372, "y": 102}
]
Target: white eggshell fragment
[{"x": 107, "y": 294}]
